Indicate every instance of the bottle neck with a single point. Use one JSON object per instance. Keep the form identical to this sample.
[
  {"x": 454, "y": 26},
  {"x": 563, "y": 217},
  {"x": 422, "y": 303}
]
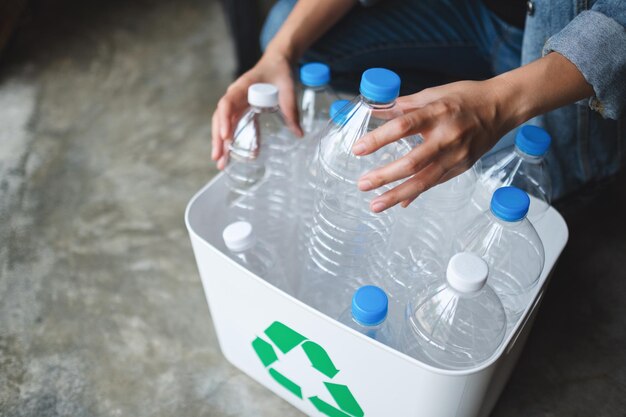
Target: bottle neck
[
  {"x": 369, "y": 326},
  {"x": 316, "y": 89},
  {"x": 505, "y": 223},
  {"x": 532, "y": 159},
  {"x": 258, "y": 109},
  {"x": 377, "y": 105},
  {"x": 464, "y": 294}
]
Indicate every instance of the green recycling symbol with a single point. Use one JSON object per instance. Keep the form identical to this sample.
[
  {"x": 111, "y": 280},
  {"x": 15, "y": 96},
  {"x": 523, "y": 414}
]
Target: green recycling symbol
[{"x": 286, "y": 339}]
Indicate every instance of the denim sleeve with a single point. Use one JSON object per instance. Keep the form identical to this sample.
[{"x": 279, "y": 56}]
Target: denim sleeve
[{"x": 595, "y": 41}]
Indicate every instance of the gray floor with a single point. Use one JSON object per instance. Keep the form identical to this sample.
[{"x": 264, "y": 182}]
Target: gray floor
[{"x": 104, "y": 136}]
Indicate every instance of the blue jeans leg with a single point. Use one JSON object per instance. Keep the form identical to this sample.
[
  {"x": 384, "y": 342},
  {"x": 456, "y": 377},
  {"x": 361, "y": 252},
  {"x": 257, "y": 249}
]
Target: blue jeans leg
[
  {"x": 459, "y": 39},
  {"x": 428, "y": 42},
  {"x": 277, "y": 15}
]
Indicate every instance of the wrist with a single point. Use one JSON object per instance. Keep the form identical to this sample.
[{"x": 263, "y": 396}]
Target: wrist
[
  {"x": 539, "y": 87},
  {"x": 511, "y": 105},
  {"x": 283, "y": 49}
]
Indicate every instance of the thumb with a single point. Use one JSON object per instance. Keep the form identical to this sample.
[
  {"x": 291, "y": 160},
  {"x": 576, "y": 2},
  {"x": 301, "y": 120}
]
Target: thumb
[{"x": 288, "y": 105}]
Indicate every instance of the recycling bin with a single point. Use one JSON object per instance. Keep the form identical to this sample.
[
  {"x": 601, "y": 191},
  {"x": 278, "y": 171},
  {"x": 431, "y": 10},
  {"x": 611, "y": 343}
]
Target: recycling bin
[{"x": 325, "y": 368}]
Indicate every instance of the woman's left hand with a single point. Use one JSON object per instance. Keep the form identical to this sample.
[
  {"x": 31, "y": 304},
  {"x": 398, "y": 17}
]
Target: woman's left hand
[{"x": 459, "y": 122}]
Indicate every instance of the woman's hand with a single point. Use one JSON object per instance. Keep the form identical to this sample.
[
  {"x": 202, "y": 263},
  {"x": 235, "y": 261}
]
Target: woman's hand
[
  {"x": 459, "y": 123},
  {"x": 308, "y": 20},
  {"x": 273, "y": 68}
]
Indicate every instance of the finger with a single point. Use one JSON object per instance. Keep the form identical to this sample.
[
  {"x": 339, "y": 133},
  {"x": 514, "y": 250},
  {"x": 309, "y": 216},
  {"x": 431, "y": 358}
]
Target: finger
[
  {"x": 414, "y": 161},
  {"x": 417, "y": 100},
  {"x": 392, "y": 131},
  {"x": 223, "y": 160},
  {"x": 230, "y": 107},
  {"x": 221, "y": 163},
  {"x": 233, "y": 122},
  {"x": 224, "y": 115},
  {"x": 288, "y": 105},
  {"x": 216, "y": 140},
  {"x": 409, "y": 189},
  {"x": 407, "y": 202}
]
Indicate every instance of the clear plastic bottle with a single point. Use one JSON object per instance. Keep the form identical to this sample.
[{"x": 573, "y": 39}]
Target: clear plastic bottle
[
  {"x": 349, "y": 243},
  {"x": 509, "y": 243},
  {"x": 317, "y": 97},
  {"x": 368, "y": 314},
  {"x": 262, "y": 133},
  {"x": 309, "y": 188},
  {"x": 424, "y": 233},
  {"x": 523, "y": 166},
  {"x": 245, "y": 169},
  {"x": 257, "y": 257},
  {"x": 457, "y": 322}
]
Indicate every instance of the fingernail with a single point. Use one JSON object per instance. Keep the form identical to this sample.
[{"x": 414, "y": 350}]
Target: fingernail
[
  {"x": 364, "y": 185},
  {"x": 358, "y": 149},
  {"x": 223, "y": 132},
  {"x": 378, "y": 206}
]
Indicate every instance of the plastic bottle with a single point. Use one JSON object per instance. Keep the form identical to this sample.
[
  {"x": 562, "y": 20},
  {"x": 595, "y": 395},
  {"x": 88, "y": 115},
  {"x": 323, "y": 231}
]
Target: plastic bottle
[
  {"x": 457, "y": 322},
  {"x": 254, "y": 255},
  {"x": 509, "y": 243},
  {"x": 309, "y": 187},
  {"x": 265, "y": 132},
  {"x": 315, "y": 102},
  {"x": 424, "y": 233},
  {"x": 245, "y": 169},
  {"x": 317, "y": 97},
  {"x": 348, "y": 244},
  {"x": 522, "y": 165},
  {"x": 368, "y": 314}
]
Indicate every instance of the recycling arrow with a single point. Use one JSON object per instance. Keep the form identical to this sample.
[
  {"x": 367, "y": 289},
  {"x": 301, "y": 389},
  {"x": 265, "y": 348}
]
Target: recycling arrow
[{"x": 285, "y": 340}]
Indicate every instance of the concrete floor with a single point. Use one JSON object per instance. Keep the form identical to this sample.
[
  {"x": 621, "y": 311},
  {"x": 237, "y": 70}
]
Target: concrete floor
[{"x": 104, "y": 136}]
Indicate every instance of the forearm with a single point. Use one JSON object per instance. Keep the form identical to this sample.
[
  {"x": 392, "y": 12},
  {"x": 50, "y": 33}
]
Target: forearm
[
  {"x": 307, "y": 22},
  {"x": 539, "y": 87}
]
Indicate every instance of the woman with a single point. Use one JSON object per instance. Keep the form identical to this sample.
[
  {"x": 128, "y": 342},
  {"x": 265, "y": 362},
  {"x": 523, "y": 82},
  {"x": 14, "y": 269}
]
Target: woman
[{"x": 572, "y": 81}]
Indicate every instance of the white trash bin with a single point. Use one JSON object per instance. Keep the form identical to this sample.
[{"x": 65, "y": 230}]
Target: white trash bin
[{"x": 321, "y": 366}]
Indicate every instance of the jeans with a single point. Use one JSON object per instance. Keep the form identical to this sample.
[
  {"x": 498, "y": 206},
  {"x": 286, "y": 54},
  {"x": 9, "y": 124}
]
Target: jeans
[
  {"x": 453, "y": 39},
  {"x": 432, "y": 42},
  {"x": 427, "y": 42}
]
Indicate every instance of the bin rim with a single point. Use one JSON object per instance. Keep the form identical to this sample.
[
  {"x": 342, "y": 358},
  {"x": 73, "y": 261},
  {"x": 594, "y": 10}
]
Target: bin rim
[{"x": 502, "y": 350}]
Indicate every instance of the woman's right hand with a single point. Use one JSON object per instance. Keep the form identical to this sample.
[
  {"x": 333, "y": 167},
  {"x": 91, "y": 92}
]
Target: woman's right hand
[{"x": 273, "y": 68}]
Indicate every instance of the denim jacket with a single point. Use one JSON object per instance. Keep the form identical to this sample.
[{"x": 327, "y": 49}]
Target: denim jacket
[
  {"x": 592, "y": 133},
  {"x": 589, "y": 137}
]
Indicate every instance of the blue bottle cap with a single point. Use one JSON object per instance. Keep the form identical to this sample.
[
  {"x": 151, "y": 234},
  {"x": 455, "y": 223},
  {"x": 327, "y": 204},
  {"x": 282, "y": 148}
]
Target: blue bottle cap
[
  {"x": 315, "y": 74},
  {"x": 380, "y": 85},
  {"x": 336, "y": 115},
  {"x": 369, "y": 305},
  {"x": 510, "y": 204},
  {"x": 533, "y": 140}
]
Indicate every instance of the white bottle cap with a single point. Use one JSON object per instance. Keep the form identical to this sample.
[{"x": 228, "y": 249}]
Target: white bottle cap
[
  {"x": 239, "y": 236},
  {"x": 467, "y": 272},
  {"x": 263, "y": 95}
]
